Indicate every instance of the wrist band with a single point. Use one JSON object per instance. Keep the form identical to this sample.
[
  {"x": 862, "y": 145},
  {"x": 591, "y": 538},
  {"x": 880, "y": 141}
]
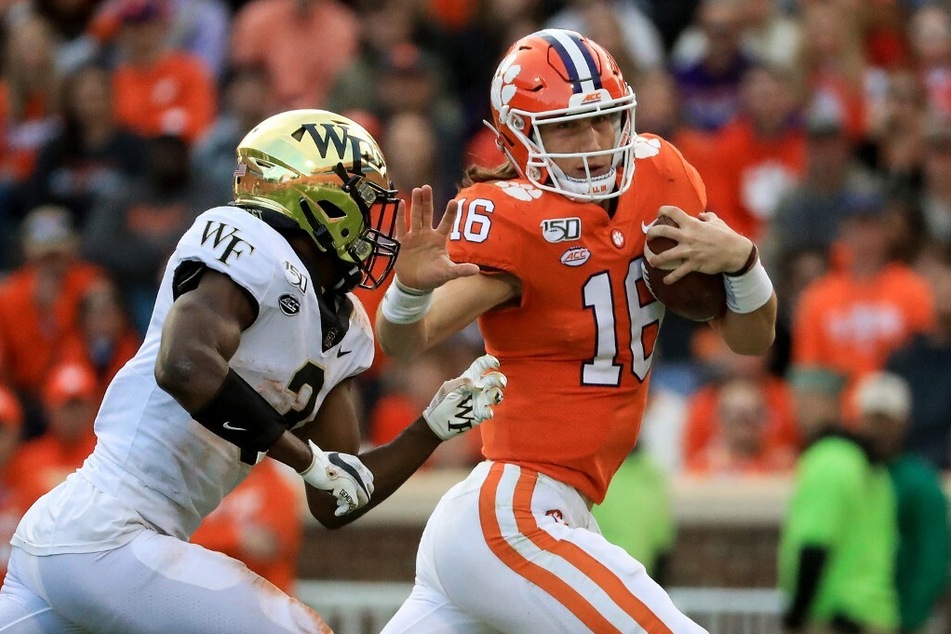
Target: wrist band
[
  {"x": 405, "y": 305},
  {"x": 748, "y": 291},
  {"x": 748, "y": 265}
]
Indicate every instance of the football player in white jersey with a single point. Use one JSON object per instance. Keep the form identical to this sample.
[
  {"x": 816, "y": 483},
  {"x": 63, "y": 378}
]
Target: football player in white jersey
[{"x": 251, "y": 348}]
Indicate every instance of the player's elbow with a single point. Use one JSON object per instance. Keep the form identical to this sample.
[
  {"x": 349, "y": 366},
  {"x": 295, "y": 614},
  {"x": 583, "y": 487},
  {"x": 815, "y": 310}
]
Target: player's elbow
[
  {"x": 754, "y": 343},
  {"x": 173, "y": 373}
]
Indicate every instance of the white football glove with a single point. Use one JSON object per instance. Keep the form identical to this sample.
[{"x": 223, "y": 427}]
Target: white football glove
[
  {"x": 342, "y": 475},
  {"x": 466, "y": 401}
]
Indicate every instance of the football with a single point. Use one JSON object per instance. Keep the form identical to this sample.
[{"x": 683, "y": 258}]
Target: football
[{"x": 696, "y": 296}]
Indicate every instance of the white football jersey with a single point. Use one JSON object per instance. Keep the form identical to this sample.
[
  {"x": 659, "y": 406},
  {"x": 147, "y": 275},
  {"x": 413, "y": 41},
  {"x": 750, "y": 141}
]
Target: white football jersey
[{"x": 153, "y": 464}]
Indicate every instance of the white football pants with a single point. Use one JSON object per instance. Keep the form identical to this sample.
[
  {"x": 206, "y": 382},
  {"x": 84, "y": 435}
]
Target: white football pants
[
  {"x": 155, "y": 583},
  {"x": 511, "y": 550}
]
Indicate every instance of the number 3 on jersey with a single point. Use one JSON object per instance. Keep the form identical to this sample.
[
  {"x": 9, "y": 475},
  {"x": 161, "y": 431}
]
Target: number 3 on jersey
[{"x": 645, "y": 313}]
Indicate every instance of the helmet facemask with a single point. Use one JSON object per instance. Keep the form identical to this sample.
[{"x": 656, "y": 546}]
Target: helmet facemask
[{"x": 541, "y": 169}]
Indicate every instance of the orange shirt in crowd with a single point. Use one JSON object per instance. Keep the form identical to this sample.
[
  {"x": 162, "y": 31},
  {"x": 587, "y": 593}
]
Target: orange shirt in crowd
[
  {"x": 701, "y": 429},
  {"x": 75, "y": 349},
  {"x": 750, "y": 173},
  {"x": 30, "y": 336},
  {"x": 851, "y": 326},
  {"x": 175, "y": 95},
  {"x": 44, "y": 462},
  {"x": 265, "y": 501},
  {"x": 302, "y": 71},
  {"x": 20, "y": 141}
]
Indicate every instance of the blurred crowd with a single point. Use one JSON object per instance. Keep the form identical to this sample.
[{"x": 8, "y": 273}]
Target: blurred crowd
[{"x": 822, "y": 129}]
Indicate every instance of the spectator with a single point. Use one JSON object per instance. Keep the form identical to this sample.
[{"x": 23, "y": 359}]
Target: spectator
[
  {"x": 839, "y": 537},
  {"x": 28, "y": 99},
  {"x": 704, "y": 429},
  {"x": 159, "y": 91},
  {"x": 761, "y": 153},
  {"x": 832, "y": 64},
  {"x": 934, "y": 200},
  {"x": 39, "y": 303},
  {"x": 710, "y": 85},
  {"x": 12, "y": 506},
  {"x": 133, "y": 231},
  {"x": 200, "y": 28},
  {"x": 884, "y": 403},
  {"x": 925, "y": 363},
  {"x": 636, "y": 513},
  {"x": 740, "y": 444},
  {"x": 259, "y": 523},
  {"x": 929, "y": 31},
  {"x": 818, "y": 396},
  {"x": 246, "y": 100},
  {"x": 309, "y": 30},
  {"x": 105, "y": 339},
  {"x": 67, "y": 22},
  {"x": 91, "y": 154},
  {"x": 70, "y": 401},
  {"x": 809, "y": 215},
  {"x": 850, "y": 320},
  {"x": 383, "y": 27}
]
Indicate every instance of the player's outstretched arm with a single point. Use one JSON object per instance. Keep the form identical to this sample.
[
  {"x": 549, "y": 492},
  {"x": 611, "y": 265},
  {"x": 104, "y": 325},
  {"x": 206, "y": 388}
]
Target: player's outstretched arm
[
  {"x": 412, "y": 317},
  {"x": 460, "y": 404}
]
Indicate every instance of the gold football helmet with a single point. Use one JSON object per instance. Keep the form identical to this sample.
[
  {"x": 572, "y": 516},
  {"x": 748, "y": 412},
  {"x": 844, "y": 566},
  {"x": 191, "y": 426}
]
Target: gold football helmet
[{"x": 326, "y": 173}]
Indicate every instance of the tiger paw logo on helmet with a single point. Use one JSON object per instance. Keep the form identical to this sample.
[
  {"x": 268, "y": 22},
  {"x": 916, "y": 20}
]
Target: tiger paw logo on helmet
[
  {"x": 521, "y": 191},
  {"x": 503, "y": 89}
]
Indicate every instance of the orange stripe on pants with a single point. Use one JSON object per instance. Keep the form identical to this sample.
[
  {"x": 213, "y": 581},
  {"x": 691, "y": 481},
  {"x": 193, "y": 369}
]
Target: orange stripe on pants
[{"x": 600, "y": 574}]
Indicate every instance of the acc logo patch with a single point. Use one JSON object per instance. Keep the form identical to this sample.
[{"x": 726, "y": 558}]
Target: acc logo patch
[
  {"x": 521, "y": 191},
  {"x": 575, "y": 256},
  {"x": 289, "y": 304},
  {"x": 561, "y": 229}
]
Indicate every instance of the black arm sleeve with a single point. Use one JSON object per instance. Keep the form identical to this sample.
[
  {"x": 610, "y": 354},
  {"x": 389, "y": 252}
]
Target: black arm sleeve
[
  {"x": 243, "y": 417},
  {"x": 812, "y": 559}
]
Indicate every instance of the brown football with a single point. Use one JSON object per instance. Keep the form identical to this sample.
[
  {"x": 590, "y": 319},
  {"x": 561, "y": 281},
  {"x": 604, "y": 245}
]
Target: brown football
[{"x": 696, "y": 296}]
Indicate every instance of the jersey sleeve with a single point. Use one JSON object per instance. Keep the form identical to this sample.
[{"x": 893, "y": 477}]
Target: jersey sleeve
[
  {"x": 486, "y": 232},
  {"x": 234, "y": 243}
]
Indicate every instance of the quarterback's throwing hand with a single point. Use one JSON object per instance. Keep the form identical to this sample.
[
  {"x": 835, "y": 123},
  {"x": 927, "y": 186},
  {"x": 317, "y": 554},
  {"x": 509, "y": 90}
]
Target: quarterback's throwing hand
[
  {"x": 466, "y": 401},
  {"x": 342, "y": 475}
]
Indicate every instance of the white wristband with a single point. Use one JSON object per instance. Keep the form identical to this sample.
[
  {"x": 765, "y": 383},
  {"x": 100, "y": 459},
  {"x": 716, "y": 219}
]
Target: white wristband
[
  {"x": 405, "y": 305},
  {"x": 747, "y": 292}
]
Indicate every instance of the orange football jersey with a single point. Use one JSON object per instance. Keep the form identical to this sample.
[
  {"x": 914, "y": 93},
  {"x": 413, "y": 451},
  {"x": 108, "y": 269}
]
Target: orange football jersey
[{"x": 577, "y": 349}]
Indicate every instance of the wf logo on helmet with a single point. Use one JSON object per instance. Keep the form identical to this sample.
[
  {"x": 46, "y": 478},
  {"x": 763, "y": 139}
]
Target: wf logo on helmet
[{"x": 340, "y": 136}]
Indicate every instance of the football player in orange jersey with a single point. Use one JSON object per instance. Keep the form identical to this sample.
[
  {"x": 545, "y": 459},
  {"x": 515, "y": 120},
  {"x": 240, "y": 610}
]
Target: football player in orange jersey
[{"x": 546, "y": 251}]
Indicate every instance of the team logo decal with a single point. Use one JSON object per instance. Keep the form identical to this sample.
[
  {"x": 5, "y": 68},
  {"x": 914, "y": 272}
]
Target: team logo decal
[
  {"x": 646, "y": 148},
  {"x": 575, "y": 256},
  {"x": 289, "y": 304},
  {"x": 561, "y": 229},
  {"x": 617, "y": 238},
  {"x": 520, "y": 191},
  {"x": 503, "y": 89},
  {"x": 294, "y": 277}
]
